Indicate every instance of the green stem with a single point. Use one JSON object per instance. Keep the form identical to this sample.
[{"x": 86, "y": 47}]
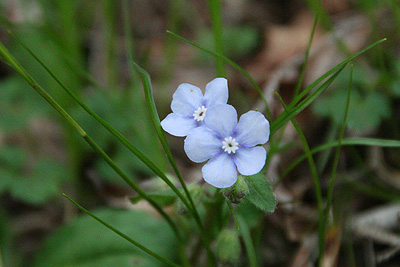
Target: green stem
[
  {"x": 127, "y": 238},
  {"x": 215, "y": 12},
  {"x": 248, "y": 242}
]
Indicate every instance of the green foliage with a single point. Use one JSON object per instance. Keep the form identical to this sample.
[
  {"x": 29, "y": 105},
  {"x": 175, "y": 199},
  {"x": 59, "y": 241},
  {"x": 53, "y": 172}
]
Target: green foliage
[
  {"x": 164, "y": 197},
  {"x": 233, "y": 45},
  {"x": 34, "y": 182},
  {"x": 228, "y": 247},
  {"x": 366, "y": 112},
  {"x": 261, "y": 194},
  {"x": 84, "y": 242},
  {"x": 18, "y": 105},
  {"x": 8, "y": 256},
  {"x": 368, "y": 106},
  {"x": 250, "y": 213}
]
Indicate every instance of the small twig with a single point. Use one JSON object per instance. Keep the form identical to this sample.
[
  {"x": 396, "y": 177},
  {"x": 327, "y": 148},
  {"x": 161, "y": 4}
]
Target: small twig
[{"x": 387, "y": 254}]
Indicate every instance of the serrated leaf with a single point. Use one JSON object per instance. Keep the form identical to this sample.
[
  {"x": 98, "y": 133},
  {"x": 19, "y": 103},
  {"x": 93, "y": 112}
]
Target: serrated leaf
[
  {"x": 260, "y": 194},
  {"x": 85, "y": 242}
]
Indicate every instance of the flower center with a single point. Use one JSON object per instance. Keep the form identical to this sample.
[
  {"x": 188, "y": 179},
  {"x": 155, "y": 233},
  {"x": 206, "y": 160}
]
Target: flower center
[
  {"x": 230, "y": 145},
  {"x": 200, "y": 113}
]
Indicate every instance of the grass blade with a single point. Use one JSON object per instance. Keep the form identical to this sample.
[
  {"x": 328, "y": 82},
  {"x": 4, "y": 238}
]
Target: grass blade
[
  {"x": 355, "y": 141},
  {"x": 160, "y": 133},
  {"x": 9, "y": 59},
  {"x": 331, "y": 185},
  {"x": 333, "y": 70},
  {"x": 289, "y": 113},
  {"x": 234, "y": 65},
  {"x": 313, "y": 167},
  {"x": 127, "y": 238},
  {"x": 215, "y": 12},
  {"x": 304, "y": 65},
  {"x": 108, "y": 127}
]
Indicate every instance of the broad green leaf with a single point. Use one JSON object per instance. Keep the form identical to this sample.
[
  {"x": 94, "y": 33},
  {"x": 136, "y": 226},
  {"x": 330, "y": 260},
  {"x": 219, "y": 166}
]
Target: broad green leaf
[
  {"x": 249, "y": 39},
  {"x": 163, "y": 197},
  {"x": 8, "y": 255},
  {"x": 396, "y": 88},
  {"x": 249, "y": 213},
  {"x": 124, "y": 260},
  {"x": 12, "y": 160},
  {"x": 84, "y": 242},
  {"x": 42, "y": 183},
  {"x": 12, "y": 157},
  {"x": 365, "y": 113},
  {"x": 261, "y": 194},
  {"x": 17, "y": 105},
  {"x": 33, "y": 184}
]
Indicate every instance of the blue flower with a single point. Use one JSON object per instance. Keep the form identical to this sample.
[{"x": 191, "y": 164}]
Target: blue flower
[
  {"x": 190, "y": 107},
  {"x": 230, "y": 146}
]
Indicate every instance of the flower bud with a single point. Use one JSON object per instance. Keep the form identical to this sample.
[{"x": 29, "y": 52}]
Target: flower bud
[
  {"x": 228, "y": 247},
  {"x": 238, "y": 191}
]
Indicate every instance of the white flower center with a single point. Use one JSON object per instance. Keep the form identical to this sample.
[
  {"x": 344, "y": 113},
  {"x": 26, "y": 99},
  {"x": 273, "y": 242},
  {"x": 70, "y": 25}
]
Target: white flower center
[
  {"x": 230, "y": 145},
  {"x": 200, "y": 113}
]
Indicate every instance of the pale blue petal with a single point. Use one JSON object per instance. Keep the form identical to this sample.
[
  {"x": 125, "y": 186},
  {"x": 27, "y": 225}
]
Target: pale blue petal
[
  {"x": 220, "y": 171},
  {"x": 216, "y": 92},
  {"x": 252, "y": 129},
  {"x": 222, "y": 119},
  {"x": 178, "y": 125},
  {"x": 201, "y": 144},
  {"x": 250, "y": 161},
  {"x": 186, "y": 99}
]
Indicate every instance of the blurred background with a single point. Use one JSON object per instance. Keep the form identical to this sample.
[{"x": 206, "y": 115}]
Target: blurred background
[{"x": 83, "y": 44}]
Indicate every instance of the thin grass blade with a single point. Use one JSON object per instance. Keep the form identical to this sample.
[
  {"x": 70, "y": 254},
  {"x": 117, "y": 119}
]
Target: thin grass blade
[
  {"x": 127, "y": 238},
  {"x": 331, "y": 185}
]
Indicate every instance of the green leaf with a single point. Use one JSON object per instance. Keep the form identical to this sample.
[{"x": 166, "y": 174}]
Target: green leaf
[
  {"x": 249, "y": 39},
  {"x": 43, "y": 183},
  {"x": 12, "y": 160},
  {"x": 13, "y": 157},
  {"x": 365, "y": 113},
  {"x": 16, "y": 106},
  {"x": 250, "y": 214},
  {"x": 261, "y": 194},
  {"x": 163, "y": 197},
  {"x": 33, "y": 184},
  {"x": 85, "y": 242}
]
